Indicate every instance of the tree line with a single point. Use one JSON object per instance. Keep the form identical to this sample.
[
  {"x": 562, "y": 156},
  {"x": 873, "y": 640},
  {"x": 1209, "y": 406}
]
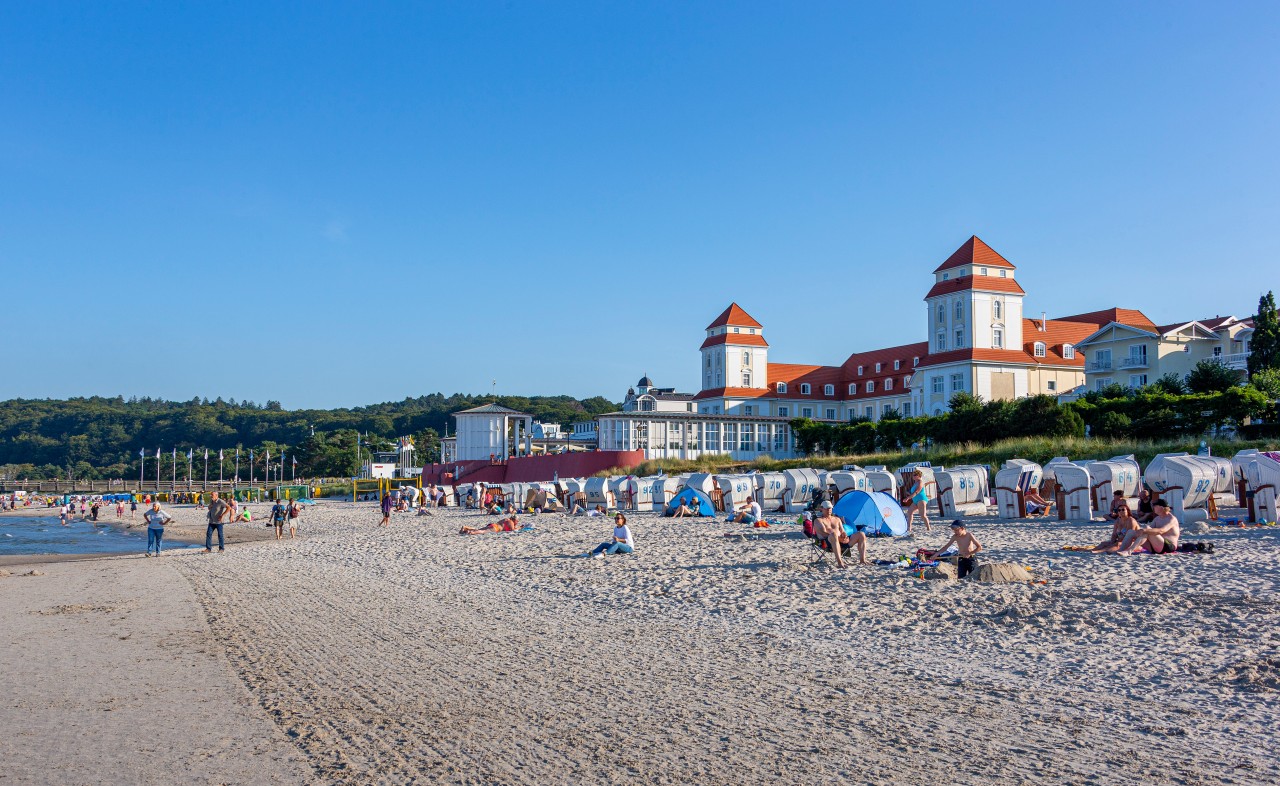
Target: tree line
[{"x": 100, "y": 437}]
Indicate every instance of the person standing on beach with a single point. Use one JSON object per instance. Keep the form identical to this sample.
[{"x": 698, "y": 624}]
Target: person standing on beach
[
  {"x": 387, "y": 503},
  {"x": 63, "y": 516},
  {"x": 156, "y": 519},
  {"x": 278, "y": 516},
  {"x": 917, "y": 501},
  {"x": 295, "y": 510},
  {"x": 133, "y": 507},
  {"x": 119, "y": 508},
  {"x": 218, "y": 511}
]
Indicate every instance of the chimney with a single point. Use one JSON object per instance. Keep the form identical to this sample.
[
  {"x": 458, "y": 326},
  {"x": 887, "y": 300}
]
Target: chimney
[{"x": 1044, "y": 322}]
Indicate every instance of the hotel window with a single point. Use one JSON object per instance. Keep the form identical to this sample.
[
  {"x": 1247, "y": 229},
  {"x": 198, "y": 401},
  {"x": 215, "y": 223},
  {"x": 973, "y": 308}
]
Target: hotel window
[
  {"x": 1138, "y": 381},
  {"x": 964, "y": 271},
  {"x": 1051, "y": 385},
  {"x": 1101, "y": 382},
  {"x": 730, "y": 436},
  {"x": 748, "y": 409},
  {"x": 997, "y": 338},
  {"x": 1003, "y": 273},
  {"x": 746, "y": 379},
  {"x": 1069, "y": 351},
  {"x": 859, "y": 370},
  {"x": 886, "y": 409},
  {"x": 869, "y": 412},
  {"x": 871, "y": 387},
  {"x": 957, "y": 382},
  {"x": 996, "y": 309},
  {"x": 828, "y": 390},
  {"x": 959, "y": 309},
  {"x": 853, "y": 388},
  {"x": 735, "y": 330},
  {"x": 831, "y": 414},
  {"x": 906, "y": 409},
  {"x": 888, "y": 384},
  {"x": 946, "y": 276},
  {"x": 804, "y": 388},
  {"x": 959, "y": 339},
  {"x": 806, "y": 412},
  {"x": 877, "y": 368},
  {"x": 982, "y": 271},
  {"x": 748, "y": 436},
  {"x": 746, "y": 358},
  {"x": 897, "y": 364},
  {"x": 782, "y": 412},
  {"x": 711, "y": 436},
  {"x": 1039, "y": 349},
  {"x": 942, "y": 314},
  {"x": 782, "y": 387},
  {"x": 942, "y": 340},
  {"x": 936, "y": 386},
  {"x": 752, "y": 331},
  {"x": 915, "y": 362}
]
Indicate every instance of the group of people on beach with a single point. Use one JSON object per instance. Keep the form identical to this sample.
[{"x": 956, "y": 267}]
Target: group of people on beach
[{"x": 1128, "y": 536}]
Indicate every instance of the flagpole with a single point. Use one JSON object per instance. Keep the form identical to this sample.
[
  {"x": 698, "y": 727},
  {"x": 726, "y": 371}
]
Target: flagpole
[
  {"x": 157, "y": 470},
  {"x": 206, "y": 466},
  {"x": 142, "y": 466}
]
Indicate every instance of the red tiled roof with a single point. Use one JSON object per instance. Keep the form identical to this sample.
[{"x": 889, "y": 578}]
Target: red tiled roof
[
  {"x": 743, "y": 339},
  {"x": 1056, "y": 333},
  {"x": 795, "y": 374},
  {"x": 734, "y": 315},
  {"x": 982, "y": 283},
  {"x": 904, "y": 354},
  {"x": 974, "y": 252},
  {"x": 732, "y": 393},
  {"x": 1125, "y": 316},
  {"x": 983, "y": 355}
]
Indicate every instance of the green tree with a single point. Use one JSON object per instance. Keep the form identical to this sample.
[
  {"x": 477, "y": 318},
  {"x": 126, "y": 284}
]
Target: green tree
[
  {"x": 1211, "y": 376},
  {"x": 1265, "y": 344},
  {"x": 1170, "y": 383},
  {"x": 1267, "y": 381}
]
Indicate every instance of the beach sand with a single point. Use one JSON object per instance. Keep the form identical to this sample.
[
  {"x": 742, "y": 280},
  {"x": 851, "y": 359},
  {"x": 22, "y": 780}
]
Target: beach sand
[{"x": 414, "y": 655}]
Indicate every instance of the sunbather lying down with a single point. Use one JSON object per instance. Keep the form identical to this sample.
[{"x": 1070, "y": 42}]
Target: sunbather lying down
[{"x": 501, "y": 525}]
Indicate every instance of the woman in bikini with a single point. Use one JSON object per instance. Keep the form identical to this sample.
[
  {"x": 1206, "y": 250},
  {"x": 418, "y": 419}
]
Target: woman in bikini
[
  {"x": 917, "y": 501},
  {"x": 1159, "y": 538},
  {"x": 1124, "y": 524}
]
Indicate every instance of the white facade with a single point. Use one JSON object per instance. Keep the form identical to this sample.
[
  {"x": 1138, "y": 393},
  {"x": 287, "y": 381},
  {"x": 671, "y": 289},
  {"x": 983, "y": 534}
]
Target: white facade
[
  {"x": 688, "y": 435},
  {"x": 492, "y": 432}
]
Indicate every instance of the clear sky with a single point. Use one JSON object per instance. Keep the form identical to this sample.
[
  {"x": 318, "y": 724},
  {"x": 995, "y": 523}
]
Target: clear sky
[{"x": 340, "y": 204}]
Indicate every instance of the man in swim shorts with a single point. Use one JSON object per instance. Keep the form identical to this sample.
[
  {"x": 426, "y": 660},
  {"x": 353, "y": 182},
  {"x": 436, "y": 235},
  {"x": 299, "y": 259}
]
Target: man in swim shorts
[{"x": 1159, "y": 538}]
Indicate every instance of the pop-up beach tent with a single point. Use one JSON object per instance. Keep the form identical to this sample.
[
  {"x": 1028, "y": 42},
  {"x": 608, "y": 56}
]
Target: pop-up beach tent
[
  {"x": 874, "y": 512},
  {"x": 697, "y": 501}
]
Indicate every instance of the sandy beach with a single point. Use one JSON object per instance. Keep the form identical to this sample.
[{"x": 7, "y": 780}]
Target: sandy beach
[{"x": 414, "y": 655}]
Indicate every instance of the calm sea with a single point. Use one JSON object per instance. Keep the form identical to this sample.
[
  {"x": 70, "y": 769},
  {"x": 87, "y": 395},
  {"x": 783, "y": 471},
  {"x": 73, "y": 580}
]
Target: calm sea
[{"x": 22, "y": 535}]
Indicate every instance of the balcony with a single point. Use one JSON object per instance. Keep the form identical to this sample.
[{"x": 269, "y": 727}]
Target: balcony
[
  {"x": 1134, "y": 361},
  {"x": 1238, "y": 361},
  {"x": 1099, "y": 365}
]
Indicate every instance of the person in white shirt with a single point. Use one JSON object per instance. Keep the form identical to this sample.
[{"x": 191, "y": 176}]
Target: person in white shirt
[
  {"x": 623, "y": 541},
  {"x": 750, "y": 512}
]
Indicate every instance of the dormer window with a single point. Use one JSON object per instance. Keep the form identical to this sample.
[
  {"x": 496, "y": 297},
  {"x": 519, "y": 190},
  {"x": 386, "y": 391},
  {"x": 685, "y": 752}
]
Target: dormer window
[
  {"x": 853, "y": 388},
  {"x": 877, "y": 368},
  {"x": 946, "y": 276},
  {"x": 906, "y": 381},
  {"x": 828, "y": 390},
  {"x": 964, "y": 271},
  {"x": 859, "y": 370},
  {"x": 871, "y": 387},
  {"x": 804, "y": 388},
  {"x": 782, "y": 387},
  {"x": 915, "y": 362},
  {"x": 1039, "y": 349},
  {"x": 888, "y": 384},
  {"x": 1003, "y": 273},
  {"x": 982, "y": 271},
  {"x": 752, "y": 331},
  {"x": 1069, "y": 351},
  {"x": 735, "y": 330},
  {"x": 897, "y": 364}
]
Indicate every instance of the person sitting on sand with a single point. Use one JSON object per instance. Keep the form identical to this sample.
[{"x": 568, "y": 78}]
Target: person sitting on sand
[
  {"x": 917, "y": 501},
  {"x": 683, "y": 511},
  {"x": 623, "y": 542},
  {"x": 1117, "y": 502},
  {"x": 1146, "y": 511},
  {"x": 1035, "y": 504},
  {"x": 830, "y": 527},
  {"x": 1125, "y": 523},
  {"x": 966, "y": 545},
  {"x": 1160, "y": 538},
  {"x": 749, "y": 513}
]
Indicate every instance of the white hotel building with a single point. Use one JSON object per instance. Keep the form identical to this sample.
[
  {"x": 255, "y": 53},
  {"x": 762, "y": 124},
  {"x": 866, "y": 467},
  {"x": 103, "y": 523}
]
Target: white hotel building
[{"x": 978, "y": 341}]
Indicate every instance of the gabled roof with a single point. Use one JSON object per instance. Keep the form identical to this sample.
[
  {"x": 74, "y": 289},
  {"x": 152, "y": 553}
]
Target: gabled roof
[
  {"x": 737, "y": 339},
  {"x": 974, "y": 252},
  {"x": 1165, "y": 330},
  {"x": 734, "y": 315},
  {"x": 491, "y": 409},
  {"x": 1122, "y": 316},
  {"x": 980, "y": 283}
]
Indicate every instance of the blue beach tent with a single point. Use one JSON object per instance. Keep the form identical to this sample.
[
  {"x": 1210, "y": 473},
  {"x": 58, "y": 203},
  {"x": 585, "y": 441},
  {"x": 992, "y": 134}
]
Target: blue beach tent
[
  {"x": 697, "y": 501},
  {"x": 876, "y": 513}
]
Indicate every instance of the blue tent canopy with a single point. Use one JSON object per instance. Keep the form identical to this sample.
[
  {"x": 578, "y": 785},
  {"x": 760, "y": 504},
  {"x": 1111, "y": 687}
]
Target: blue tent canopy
[
  {"x": 697, "y": 501},
  {"x": 876, "y": 513}
]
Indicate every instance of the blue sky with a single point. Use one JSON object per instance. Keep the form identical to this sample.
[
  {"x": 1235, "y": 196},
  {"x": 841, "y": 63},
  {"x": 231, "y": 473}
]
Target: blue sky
[{"x": 412, "y": 198}]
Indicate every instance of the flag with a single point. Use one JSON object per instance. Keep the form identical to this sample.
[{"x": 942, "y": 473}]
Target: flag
[
  {"x": 206, "y": 454},
  {"x": 142, "y": 452},
  {"x": 220, "y": 454},
  {"x": 157, "y": 454},
  {"x": 189, "y": 453}
]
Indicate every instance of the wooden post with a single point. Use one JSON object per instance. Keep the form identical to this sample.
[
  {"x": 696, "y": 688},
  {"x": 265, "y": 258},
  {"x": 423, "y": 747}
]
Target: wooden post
[{"x": 1060, "y": 496}]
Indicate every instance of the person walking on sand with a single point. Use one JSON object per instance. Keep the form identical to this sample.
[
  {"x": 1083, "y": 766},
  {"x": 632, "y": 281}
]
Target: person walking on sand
[
  {"x": 119, "y": 508},
  {"x": 387, "y": 503},
  {"x": 133, "y": 508},
  {"x": 218, "y": 510},
  {"x": 295, "y": 510},
  {"x": 279, "y": 513},
  {"x": 917, "y": 501},
  {"x": 156, "y": 519}
]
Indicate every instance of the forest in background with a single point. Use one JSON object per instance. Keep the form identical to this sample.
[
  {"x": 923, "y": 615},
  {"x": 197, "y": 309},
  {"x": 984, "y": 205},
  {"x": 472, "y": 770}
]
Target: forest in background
[{"x": 100, "y": 437}]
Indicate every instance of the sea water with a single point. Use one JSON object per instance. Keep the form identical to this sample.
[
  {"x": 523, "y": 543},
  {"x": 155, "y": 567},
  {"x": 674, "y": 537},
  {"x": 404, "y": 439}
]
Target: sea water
[{"x": 35, "y": 535}]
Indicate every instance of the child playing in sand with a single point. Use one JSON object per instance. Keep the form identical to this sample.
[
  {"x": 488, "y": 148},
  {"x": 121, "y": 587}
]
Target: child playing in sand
[{"x": 967, "y": 546}]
